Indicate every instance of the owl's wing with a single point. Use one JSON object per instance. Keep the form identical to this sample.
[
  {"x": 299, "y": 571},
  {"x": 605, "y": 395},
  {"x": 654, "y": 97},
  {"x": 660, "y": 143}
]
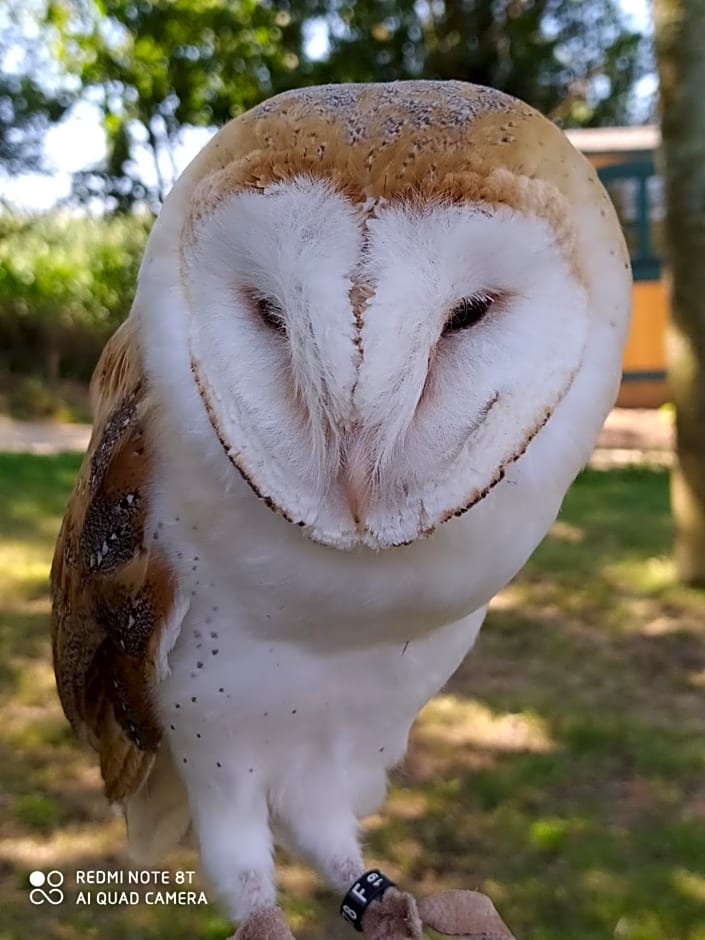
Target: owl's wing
[{"x": 113, "y": 594}]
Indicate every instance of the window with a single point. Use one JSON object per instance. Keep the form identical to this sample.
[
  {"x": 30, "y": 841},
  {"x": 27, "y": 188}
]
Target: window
[{"x": 637, "y": 194}]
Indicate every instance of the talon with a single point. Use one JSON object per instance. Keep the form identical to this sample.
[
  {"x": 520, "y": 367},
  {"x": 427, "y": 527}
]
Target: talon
[
  {"x": 394, "y": 917},
  {"x": 269, "y": 924},
  {"x": 467, "y": 914}
]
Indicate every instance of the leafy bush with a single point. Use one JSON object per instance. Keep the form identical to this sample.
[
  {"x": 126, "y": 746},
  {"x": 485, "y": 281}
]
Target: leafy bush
[{"x": 66, "y": 282}]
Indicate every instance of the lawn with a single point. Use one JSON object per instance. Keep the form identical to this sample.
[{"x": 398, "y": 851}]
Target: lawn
[{"x": 562, "y": 770}]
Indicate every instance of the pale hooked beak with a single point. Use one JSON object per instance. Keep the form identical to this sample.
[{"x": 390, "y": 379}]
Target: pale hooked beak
[{"x": 357, "y": 470}]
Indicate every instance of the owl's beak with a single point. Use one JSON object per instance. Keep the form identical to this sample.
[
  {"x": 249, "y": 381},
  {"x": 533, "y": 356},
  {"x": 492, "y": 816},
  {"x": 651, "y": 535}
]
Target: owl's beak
[
  {"x": 356, "y": 501},
  {"x": 356, "y": 477}
]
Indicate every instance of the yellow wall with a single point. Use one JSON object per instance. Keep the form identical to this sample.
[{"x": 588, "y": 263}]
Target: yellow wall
[
  {"x": 646, "y": 346},
  {"x": 646, "y": 350}
]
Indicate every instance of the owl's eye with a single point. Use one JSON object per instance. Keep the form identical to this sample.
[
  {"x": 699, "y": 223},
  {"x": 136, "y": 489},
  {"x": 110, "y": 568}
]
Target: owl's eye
[
  {"x": 469, "y": 311},
  {"x": 271, "y": 313}
]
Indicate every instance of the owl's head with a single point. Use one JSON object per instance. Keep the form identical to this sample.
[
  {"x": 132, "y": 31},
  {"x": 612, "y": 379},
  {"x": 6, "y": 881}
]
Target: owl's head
[{"x": 385, "y": 292}]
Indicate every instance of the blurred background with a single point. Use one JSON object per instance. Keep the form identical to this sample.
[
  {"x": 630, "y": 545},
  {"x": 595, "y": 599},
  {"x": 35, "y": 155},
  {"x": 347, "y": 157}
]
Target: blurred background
[{"x": 562, "y": 771}]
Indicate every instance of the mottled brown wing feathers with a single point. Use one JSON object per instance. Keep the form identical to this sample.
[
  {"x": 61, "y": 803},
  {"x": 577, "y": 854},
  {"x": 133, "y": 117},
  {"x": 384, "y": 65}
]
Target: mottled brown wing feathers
[{"x": 112, "y": 591}]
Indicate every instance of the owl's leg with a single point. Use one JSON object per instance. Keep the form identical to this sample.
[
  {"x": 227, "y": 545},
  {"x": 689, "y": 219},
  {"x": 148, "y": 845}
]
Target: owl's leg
[
  {"x": 265, "y": 925},
  {"x": 235, "y": 844},
  {"x": 328, "y": 836}
]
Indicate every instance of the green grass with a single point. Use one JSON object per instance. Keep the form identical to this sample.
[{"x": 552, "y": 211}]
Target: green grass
[{"x": 562, "y": 770}]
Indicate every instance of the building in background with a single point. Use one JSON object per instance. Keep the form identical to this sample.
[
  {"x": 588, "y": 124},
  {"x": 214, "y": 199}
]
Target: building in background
[{"x": 625, "y": 161}]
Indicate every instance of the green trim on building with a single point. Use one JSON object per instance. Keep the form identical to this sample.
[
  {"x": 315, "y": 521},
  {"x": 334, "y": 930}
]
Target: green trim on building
[
  {"x": 644, "y": 375},
  {"x": 646, "y": 265}
]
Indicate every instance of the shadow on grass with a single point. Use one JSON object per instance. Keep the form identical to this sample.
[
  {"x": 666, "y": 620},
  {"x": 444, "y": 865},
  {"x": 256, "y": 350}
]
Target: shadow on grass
[{"x": 562, "y": 770}]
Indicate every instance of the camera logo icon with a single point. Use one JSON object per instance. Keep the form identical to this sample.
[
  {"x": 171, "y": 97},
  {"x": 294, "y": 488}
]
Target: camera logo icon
[{"x": 46, "y": 887}]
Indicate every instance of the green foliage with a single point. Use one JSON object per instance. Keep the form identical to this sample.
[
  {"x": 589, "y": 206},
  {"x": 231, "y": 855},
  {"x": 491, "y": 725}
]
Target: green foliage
[
  {"x": 161, "y": 65},
  {"x": 33, "y": 398},
  {"x": 38, "y": 811},
  {"x": 26, "y": 110},
  {"x": 65, "y": 284}
]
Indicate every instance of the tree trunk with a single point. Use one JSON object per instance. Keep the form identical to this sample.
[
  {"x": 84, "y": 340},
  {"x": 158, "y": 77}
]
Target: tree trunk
[
  {"x": 53, "y": 361},
  {"x": 680, "y": 49}
]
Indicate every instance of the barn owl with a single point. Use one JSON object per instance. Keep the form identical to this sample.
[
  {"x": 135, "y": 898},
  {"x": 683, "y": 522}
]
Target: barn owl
[{"x": 376, "y": 331}]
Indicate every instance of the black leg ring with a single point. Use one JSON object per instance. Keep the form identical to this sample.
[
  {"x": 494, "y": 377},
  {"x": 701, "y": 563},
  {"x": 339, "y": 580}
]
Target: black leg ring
[{"x": 370, "y": 887}]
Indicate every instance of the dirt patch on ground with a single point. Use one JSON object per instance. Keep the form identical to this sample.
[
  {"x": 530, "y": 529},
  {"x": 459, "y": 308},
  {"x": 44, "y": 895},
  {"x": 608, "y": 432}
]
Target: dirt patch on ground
[{"x": 638, "y": 429}]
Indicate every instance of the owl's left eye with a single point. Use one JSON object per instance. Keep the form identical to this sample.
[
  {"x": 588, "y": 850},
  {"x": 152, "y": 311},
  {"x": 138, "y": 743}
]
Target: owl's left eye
[
  {"x": 271, "y": 313},
  {"x": 469, "y": 311}
]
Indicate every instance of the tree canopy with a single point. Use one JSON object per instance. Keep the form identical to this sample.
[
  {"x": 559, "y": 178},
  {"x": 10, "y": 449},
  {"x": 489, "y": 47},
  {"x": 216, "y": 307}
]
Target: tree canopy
[
  {"x": 27, "y": 105},
  {"x": 576, "y": 62},
  {"x": 155, "y": 67}
]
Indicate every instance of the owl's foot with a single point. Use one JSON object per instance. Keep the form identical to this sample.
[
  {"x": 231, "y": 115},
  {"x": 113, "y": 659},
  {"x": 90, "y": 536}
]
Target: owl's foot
[
  {"x": 268, "y": 924},
  {"x": 467, "y": 914}
]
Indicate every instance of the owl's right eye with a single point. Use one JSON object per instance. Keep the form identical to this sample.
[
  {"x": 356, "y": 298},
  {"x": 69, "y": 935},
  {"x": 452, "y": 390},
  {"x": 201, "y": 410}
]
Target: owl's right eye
[
  {"x": 271, "y": 313},
  {"x": 469, "y": 311}
]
